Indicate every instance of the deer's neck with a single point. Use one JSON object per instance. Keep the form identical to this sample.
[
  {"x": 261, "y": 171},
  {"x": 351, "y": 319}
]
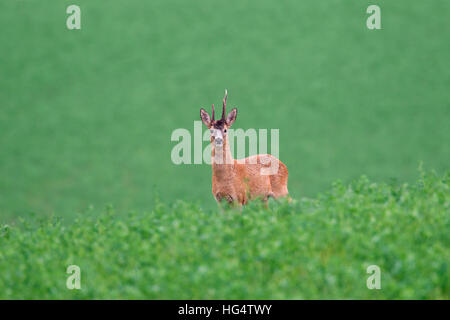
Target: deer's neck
[{"x": 222, "y": 161}]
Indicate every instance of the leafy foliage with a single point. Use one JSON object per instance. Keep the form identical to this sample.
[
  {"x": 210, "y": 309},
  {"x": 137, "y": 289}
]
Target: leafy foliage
[{"x": 303, "y": 249}]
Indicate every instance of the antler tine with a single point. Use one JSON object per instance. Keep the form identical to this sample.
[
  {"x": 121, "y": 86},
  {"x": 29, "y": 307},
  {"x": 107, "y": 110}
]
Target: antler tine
[
  {"x": 213, "y": 112},
  {"x": 224, "y": 103}
]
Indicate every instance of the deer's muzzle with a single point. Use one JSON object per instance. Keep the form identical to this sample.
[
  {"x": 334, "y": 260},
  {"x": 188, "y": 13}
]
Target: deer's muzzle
[{"x": 218, "y": 141}]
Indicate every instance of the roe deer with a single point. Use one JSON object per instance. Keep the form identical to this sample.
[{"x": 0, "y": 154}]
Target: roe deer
[{"x": 238, "y": 181}]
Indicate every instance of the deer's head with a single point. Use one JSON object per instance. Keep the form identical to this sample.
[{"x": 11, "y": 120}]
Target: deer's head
[{"x": 219, "y": 128}]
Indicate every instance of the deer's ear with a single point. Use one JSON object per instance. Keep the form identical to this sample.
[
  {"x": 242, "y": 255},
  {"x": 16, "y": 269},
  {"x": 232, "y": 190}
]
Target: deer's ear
[
  {"x": 205, "y": 117},
  {"x": 231, "y": 117}
]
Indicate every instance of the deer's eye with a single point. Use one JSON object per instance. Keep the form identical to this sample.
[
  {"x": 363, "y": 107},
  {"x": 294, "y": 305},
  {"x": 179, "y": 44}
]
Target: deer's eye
[{"x": 225, "y": 130}]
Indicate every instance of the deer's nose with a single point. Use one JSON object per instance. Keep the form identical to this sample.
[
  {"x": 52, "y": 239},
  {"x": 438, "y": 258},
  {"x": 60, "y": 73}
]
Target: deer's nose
[{"x": 219, "y": 141}]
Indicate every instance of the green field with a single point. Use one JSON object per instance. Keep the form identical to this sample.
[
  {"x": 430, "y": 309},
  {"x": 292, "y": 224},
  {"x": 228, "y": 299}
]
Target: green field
[
  {"x": 309, "y": 249},
  {"x": 86, "y": 118},
  {"x": 86, "y": 115}
]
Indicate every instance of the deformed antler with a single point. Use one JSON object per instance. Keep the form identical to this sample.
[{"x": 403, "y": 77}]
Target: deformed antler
[
  {"x": 212, "y": 112},
  {"x": 224, "y": 104}
]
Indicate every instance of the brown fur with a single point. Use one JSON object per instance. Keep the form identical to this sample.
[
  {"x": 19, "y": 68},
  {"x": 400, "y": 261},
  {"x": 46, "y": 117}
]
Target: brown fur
[{"x": 238, "y": 181}]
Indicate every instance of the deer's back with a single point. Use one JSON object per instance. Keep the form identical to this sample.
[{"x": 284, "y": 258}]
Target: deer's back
[{"x": 263, "y": 175}]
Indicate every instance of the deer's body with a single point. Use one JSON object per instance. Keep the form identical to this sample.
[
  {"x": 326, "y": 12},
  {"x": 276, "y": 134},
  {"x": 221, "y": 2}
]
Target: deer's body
[
  {"x": 238, "y": 181},
  {"x": 242, "y": 182}
]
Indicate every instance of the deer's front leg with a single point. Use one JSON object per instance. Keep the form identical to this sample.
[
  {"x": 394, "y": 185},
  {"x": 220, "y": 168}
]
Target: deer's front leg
[
  {"x": 220, "y": 196},
  {"x": 230, "y": 199}
]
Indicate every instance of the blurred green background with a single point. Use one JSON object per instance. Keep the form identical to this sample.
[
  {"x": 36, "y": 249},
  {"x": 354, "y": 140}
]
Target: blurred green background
[{"x": 86, "y": 115}]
